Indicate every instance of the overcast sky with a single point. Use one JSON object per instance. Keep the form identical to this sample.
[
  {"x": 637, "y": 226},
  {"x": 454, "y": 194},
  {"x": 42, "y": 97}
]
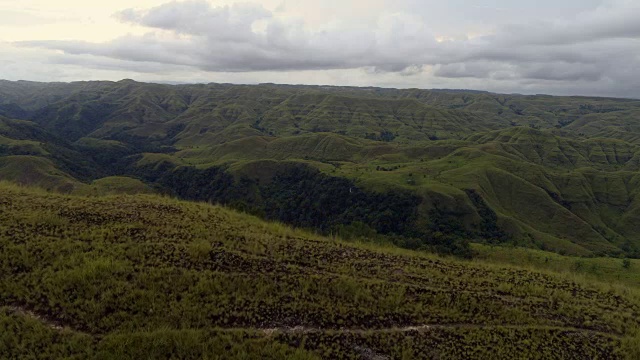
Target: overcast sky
[{"x": 563, "y": 47}]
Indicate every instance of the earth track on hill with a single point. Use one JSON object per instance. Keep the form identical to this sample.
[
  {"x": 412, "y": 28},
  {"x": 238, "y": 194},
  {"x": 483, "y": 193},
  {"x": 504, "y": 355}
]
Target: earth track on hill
[{"x": 59, "y": 326}]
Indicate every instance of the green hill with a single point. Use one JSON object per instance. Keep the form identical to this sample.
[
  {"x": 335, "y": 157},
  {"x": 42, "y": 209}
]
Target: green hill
[
  {"x": 554, "y": 173},
  {"x": 36, "y": 171},
  {"x": 129, "y": 277}
]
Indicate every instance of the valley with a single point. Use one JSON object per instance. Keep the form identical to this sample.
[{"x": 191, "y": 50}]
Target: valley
[
  {"x": 553, "y": 173},
  {"x": 220, "y": 221}
]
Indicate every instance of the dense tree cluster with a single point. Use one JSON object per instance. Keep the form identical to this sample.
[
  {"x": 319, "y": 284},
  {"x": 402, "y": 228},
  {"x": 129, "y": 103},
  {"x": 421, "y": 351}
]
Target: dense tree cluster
[
  {"x": 304, "y": 197},
  {"x": 489, "y": 229}
]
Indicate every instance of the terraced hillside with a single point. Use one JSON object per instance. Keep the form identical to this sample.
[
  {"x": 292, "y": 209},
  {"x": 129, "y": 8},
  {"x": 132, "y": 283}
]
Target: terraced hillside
[
  {"x": 130, "y": 277},
  {"x": 554, "y": 173}
]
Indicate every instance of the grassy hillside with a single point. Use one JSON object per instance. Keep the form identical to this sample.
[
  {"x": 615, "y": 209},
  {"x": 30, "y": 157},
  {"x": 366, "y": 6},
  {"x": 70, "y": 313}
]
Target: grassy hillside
[
  {"x": 599, "y": 269},
  {"x": 36, "y": 171},
  {"x": 553, "y": 173},
  {"x": 128, "y": 109},
  {"x": 142, "y": 276}
]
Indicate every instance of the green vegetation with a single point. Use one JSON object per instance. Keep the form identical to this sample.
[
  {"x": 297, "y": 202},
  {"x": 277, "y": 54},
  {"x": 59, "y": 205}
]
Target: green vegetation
[
  {"x": 23, "y": 337},
  {"x": 304, "y": 197},
  {"x": 131, "y": 276},
  {"x": 553, "y": 173},
  {"x": 601, "y": 269},
  {"x": 99, "y": 258}
]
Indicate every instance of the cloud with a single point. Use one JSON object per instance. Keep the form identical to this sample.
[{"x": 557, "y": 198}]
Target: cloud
[
  {"x": 592, "y": 49},
  {"x": 194, "y": 33},
  {"x": 560, "y": 71},
  {"x": 606, "y": 22},
  {"x": 226, "y": 23}
]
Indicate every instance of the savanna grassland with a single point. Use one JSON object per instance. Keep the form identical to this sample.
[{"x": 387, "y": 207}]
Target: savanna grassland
[
  {"x": 142, "y": 276},
  {"x": 558, "y": 174},
  {"x": 220, "y": 221}
]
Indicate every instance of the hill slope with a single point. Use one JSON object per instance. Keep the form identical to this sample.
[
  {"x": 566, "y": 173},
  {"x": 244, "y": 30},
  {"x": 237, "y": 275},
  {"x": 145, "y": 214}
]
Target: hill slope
[
  {"x": 131, "y": 276},
  {"x": 556, "y": 173}
]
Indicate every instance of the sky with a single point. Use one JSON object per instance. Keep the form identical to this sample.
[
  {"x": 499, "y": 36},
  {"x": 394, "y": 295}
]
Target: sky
[{"x": 558, "y": 47}]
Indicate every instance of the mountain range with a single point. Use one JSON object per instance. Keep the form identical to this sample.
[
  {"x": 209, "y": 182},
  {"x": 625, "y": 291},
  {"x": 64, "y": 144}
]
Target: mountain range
[{"x": 419, "y": 168}]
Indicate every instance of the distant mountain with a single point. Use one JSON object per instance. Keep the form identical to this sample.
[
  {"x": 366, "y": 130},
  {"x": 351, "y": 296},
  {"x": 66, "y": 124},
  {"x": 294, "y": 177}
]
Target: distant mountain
[{"x": 428, "y": 168}]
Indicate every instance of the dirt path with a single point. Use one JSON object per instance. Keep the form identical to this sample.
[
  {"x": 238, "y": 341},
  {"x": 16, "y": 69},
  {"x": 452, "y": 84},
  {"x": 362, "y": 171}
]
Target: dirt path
[
  {"x": 427, "y": 328},
  {"x": 30, "y": 314},
  {"x": 56, "y": 325}
]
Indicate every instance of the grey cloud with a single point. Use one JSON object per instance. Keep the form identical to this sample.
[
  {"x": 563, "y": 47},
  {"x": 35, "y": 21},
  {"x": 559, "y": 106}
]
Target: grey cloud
[
  {"x": 228, "y": 23},
  {"x": 561, "y": 72},
  {"x": 599, "y": 47},
  {"x": 222, "y": 39},
  {"x": 106, "y": 63},
  {"x": 604, "y": 23},
  {"x": 478, "y": 69}
]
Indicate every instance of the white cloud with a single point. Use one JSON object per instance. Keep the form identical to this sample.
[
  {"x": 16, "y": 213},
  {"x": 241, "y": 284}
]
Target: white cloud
[{"x": 591, "y": 51}]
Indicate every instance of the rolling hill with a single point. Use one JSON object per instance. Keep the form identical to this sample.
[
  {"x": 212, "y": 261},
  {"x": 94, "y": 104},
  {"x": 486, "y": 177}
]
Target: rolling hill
[
  {"x": 143, "y": 276},
  {"x": 554, "y": 173}
]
